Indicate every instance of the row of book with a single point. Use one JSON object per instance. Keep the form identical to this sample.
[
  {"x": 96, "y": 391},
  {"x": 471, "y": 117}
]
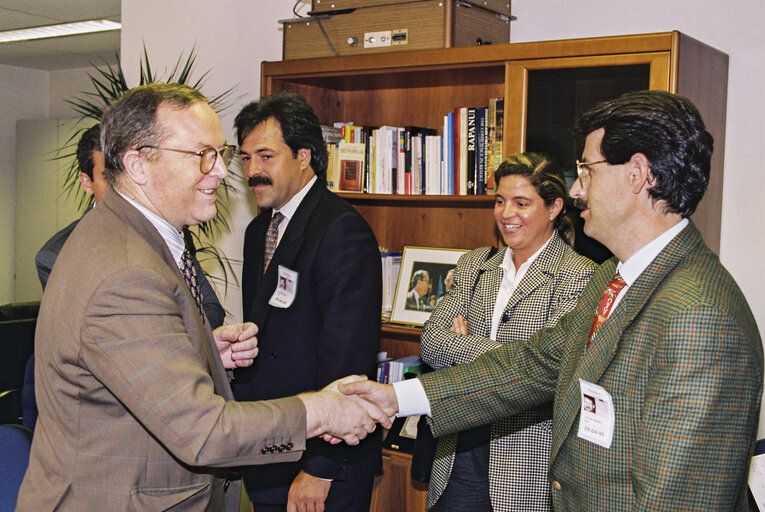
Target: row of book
[
  {"x": 416, "y": 160},
  {"x": 394, "y": 370},
  {"x": 391, "y": 263}
]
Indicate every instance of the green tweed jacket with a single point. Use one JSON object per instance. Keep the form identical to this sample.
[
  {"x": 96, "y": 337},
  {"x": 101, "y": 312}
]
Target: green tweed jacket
[{"x": 682, "y": 358}]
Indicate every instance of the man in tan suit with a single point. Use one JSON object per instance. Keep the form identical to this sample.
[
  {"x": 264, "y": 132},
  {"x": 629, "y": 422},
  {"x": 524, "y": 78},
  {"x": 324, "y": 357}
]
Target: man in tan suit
[{"x": 135, "y": 405}]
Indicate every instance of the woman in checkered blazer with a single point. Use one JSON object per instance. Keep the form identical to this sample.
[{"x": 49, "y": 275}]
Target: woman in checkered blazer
[{"x": 503, "y": 296}]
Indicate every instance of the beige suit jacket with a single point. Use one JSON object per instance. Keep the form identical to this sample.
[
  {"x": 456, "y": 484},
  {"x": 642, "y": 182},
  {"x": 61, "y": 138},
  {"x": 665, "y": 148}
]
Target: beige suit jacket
[{"x": 134, "y": 403}]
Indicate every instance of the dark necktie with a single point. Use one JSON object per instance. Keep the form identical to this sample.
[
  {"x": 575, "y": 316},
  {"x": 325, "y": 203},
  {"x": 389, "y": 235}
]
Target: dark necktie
[
  {"x": 606, "y": 305},
  {"x": 272, "y": 236},
  {"x": 190, "y": 275}
]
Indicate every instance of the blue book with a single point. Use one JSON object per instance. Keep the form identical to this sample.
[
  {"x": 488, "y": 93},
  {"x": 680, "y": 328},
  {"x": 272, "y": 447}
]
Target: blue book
[{"x": 448, "y": 152}]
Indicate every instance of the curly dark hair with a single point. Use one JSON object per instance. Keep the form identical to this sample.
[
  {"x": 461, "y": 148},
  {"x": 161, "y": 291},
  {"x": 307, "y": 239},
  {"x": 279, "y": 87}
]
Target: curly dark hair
[
  {"x": 297, "y": 120},
  {"x": 669, "y": 131},
  {"x": 546, "y": 176}
]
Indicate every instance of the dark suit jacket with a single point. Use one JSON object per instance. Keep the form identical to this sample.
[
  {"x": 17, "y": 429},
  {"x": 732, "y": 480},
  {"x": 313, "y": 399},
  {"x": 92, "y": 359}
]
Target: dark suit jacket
[
  {"x": 331, "y": 329},
  {"x": 520, "y": 445},
  {"x": 46, "y": 256},
  {"x": 682, "y": 358},
  {"x": 135, "y": 407}
]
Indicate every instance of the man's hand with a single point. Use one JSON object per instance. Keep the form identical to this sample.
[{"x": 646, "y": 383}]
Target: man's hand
[
  {"x": 237, "y": 344},
  {"x": 382, "y": 395},
  {"x": 307, "y": 493},
  {"x": 340, "y": 417}
]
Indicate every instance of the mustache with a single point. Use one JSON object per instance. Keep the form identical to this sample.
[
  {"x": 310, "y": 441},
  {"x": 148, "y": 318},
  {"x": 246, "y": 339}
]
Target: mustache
[
  {"x": 259, "y": 179},
  {"x": 581, "y": 204}
]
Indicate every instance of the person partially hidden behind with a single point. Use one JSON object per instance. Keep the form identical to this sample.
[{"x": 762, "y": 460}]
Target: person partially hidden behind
[
  {"x": 418, "y": 298},
  {"x": 90, "y": 161},
  {"x": 324, "y": 322},
  {"x": 136, "y": 412},
  {"x": 502, "y": 297},
  {"x": 662, "y": 338}
]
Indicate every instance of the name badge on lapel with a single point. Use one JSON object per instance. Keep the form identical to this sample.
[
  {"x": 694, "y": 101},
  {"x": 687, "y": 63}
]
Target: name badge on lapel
[
  {"x": 596, "y": 418},
  {"x": 286, "y": 288}
]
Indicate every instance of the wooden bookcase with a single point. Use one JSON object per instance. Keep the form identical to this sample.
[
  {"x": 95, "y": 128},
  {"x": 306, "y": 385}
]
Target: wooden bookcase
[{"x": 546, "y": 85}]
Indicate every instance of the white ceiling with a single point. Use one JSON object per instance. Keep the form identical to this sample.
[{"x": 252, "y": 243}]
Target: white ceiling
[{"x": 59, "y": 52}]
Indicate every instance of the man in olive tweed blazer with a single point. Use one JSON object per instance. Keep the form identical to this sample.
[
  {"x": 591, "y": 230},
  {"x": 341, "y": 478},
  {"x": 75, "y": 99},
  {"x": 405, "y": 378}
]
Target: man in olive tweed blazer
[{"x": 680, "y": 355}]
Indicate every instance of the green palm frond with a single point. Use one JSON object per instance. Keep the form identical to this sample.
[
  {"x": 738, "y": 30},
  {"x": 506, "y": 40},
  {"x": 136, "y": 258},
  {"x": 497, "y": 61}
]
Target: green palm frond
[{"x": 108, "y": 83}]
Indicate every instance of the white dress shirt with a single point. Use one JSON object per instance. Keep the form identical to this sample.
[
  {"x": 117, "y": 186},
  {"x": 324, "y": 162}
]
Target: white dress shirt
[
  {"x": 173, "y": 238},
  {"x": 289, "y": 209}
]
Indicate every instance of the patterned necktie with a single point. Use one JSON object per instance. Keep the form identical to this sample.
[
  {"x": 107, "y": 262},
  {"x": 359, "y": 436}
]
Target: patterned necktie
[
  {"x": 605, "y": 306},
  {"x": 272, "y": 235},
  {"x": 190, "y": 275}
]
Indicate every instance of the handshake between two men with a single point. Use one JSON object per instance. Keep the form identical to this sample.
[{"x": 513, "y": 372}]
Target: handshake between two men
[{"x": 336, "y": 413}]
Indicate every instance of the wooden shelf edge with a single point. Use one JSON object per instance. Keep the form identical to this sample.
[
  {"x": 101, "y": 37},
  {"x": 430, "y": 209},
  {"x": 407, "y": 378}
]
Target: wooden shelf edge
[
  {"x": 401, "y": 330},
  {"x": 356, "y": 197}
]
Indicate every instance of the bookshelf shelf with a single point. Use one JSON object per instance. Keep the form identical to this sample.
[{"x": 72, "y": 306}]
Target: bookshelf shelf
[
  {"x": 546, "y": 86},
  {"x": 394, "y": 199},
  {"x": 400, "y": 341}
]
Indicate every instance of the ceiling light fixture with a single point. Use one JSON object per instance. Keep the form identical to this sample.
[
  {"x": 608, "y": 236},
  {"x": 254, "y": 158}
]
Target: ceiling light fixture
[{"x": 65, "y": 29}]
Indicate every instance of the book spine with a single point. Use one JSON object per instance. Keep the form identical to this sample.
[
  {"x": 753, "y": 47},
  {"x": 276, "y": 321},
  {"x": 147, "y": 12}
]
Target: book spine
[
  {"x": 408, "y": 176},
  {"x": 463, "y": 151},
  {"x": 499, "y": 134},
  {"x": 448, "y": 154},
  {"x": 400, "y": 162},
  {"x": 332, "y": 168},
  {"x": 480, "y": 151},
  {"x": 471, "y": 159},
  {"x": 456, "y": 149},
  {"x": 491, "y": 127}
]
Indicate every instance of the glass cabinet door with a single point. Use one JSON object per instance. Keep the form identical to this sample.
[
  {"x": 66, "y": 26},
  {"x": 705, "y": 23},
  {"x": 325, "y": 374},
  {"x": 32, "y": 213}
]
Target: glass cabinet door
[{"x": 544, "y": 98}]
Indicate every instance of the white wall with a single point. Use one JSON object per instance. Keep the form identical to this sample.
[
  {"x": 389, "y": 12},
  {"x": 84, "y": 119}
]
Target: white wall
[
  {"x": 23, "y": 94},
  {"x": 68, "y": 84}
]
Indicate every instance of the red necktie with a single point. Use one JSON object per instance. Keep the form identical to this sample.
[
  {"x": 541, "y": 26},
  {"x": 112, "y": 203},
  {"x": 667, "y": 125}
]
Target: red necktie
[
  {"x": 606, "y": 304},
  {"x": 272, "y": 236}
]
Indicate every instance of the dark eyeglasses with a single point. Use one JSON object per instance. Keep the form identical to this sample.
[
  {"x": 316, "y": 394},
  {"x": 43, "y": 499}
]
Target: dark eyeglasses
[{"x": 207, "y": 156}]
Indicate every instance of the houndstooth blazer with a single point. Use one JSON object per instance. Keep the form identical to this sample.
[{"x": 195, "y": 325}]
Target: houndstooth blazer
[
  {"x": 682, "y": 358},
  {"x": 520, "y": 445}
]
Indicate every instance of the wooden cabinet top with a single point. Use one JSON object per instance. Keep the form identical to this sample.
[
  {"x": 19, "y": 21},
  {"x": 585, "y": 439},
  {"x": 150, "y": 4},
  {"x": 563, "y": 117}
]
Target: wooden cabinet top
[{"x": 477, "y": 55}]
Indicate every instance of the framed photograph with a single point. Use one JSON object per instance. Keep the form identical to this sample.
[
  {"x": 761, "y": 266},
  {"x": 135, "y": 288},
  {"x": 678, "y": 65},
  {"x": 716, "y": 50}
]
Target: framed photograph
[{"x": 423, "y": 279}]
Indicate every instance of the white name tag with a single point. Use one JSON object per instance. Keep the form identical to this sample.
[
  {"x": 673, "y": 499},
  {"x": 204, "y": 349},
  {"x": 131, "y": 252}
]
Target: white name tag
[
  {"x": 286, "y": 288},
  {"x": 596, "y": 418}
]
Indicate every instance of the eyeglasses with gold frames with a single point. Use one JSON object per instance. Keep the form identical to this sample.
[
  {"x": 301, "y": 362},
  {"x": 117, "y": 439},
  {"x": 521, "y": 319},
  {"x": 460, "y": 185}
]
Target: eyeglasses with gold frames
[
  {"x": 583, "y": 169},
  {"x": 208, "y": 156}
]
